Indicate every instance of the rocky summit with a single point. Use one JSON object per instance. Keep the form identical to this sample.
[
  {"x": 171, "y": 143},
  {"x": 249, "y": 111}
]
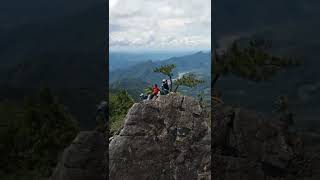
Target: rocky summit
[
  {"x": 84, "y": 159},
  {"x": 170, "y": 139},
  {"x": 249, "y": 145},
  {"x": 164, "y": 139}
]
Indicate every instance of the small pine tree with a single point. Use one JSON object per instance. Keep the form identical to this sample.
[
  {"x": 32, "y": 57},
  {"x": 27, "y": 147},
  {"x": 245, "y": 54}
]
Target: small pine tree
[
  {"x": 254, "y": 62},
  {"x": 166, "y": 70},
  {"x": 189, "y": 80},
  {"x": 148, "y": 90}
]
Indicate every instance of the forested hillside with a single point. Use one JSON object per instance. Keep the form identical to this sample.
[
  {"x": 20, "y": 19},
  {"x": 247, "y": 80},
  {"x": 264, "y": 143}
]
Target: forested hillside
[
  {"x": 139, "y": 76},
  {"x": 65, "y": 54}
]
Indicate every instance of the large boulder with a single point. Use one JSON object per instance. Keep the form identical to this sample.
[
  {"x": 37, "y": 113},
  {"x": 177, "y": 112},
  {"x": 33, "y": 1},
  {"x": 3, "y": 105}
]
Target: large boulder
[
  {"x": 84, "y": 159},
  {"x": 249, "y": 145},
  {"x": 163, "y": 139}
]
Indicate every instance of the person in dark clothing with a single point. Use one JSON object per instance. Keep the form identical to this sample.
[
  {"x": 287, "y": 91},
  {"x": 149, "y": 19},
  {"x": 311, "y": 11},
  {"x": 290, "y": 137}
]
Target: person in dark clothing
[
  {"x": 103, "y": 110},
  {"x": 155, "y": 91},
  {"x": 164, "y": 87},
  {"x": 143, "y": 97}
]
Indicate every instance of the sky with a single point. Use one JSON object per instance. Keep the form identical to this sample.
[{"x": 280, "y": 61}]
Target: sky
[{"x": 159, "y": 25}]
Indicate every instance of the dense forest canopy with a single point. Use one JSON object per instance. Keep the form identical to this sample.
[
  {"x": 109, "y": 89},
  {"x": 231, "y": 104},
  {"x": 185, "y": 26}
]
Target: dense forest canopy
[{"x": 33, "y": 135}]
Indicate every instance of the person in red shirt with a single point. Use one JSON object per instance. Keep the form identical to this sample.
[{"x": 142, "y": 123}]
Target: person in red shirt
[{"x": 155, "y": 91}]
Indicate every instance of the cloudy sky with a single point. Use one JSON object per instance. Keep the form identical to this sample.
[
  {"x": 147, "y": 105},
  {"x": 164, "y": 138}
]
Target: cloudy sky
[{"x": 160, "y": 24}]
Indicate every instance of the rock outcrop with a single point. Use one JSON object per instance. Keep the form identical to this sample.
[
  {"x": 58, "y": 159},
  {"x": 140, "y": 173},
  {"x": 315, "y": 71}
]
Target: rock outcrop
[
  {"x": 248, "y": 145},
  {"x": 84, "y": 159},
  {"x": 169, "y": 139},
  {"x": 163, "y": 139}
]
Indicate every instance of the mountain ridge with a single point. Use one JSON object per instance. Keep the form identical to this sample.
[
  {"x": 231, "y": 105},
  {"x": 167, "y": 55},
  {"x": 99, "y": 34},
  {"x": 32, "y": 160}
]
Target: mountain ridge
[
  {"x": 198, "y": 63},
  {"x": 63, "y": 55}
]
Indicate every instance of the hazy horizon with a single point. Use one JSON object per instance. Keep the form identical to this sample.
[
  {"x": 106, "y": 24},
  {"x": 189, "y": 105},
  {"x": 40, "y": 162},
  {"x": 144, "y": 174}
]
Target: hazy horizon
[
  {"x": 155, "y": 55},
  {"x": 143, "y": 51}
]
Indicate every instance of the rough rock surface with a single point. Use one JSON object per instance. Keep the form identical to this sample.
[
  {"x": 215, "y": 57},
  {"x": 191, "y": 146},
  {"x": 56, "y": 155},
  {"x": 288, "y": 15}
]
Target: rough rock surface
[
  {"x": 83, "y": 159},
  {"x": 248, "y": 145},
  {"x": 163, "y": 139}
]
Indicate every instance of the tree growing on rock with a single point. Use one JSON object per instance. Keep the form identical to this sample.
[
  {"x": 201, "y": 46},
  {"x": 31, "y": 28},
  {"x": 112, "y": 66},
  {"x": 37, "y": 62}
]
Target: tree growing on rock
[
  {"x": 189, "y": 80},
  {"x": 166, "y": 70},
  {"x": 253, "y": 62},
  {"x": 148, "y": 90}
]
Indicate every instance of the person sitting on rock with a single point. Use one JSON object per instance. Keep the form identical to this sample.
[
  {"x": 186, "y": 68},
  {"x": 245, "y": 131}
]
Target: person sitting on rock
[
  {"x": 143, "y": 97},
  {"x": 155, "y": 91},
  {"x": 103, "y": 110},
  {"x": 164, "y": 87}
]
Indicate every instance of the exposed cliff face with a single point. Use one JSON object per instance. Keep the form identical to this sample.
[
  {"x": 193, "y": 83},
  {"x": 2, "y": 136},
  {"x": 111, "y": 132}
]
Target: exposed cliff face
[
  {"x": 248, "y": 145},
  {"x": 84, "y": 159},
  {"x": 167, "y": 139}
]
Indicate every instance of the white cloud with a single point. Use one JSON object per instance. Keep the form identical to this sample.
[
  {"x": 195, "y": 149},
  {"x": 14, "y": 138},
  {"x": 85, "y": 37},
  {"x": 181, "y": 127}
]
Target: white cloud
[
  {"x": 153, "y": 24},
  {"x": 174, "y": 23},
  {"x": 112, "y": 3}
]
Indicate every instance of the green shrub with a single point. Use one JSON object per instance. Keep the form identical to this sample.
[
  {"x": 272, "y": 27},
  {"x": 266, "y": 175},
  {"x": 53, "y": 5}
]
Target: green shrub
[{"x": 120, "y": 103}]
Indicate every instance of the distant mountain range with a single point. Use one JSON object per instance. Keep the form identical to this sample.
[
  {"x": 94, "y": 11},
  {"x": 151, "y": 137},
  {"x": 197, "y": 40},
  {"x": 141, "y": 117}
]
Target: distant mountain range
[
  {"x": 64, "y": 52},
  {"x": 122, "y": 60},
  {"x": 60, "y": 44},
  {"x": 140, "y": 75},
  {"x": 293, "y": 27}
]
